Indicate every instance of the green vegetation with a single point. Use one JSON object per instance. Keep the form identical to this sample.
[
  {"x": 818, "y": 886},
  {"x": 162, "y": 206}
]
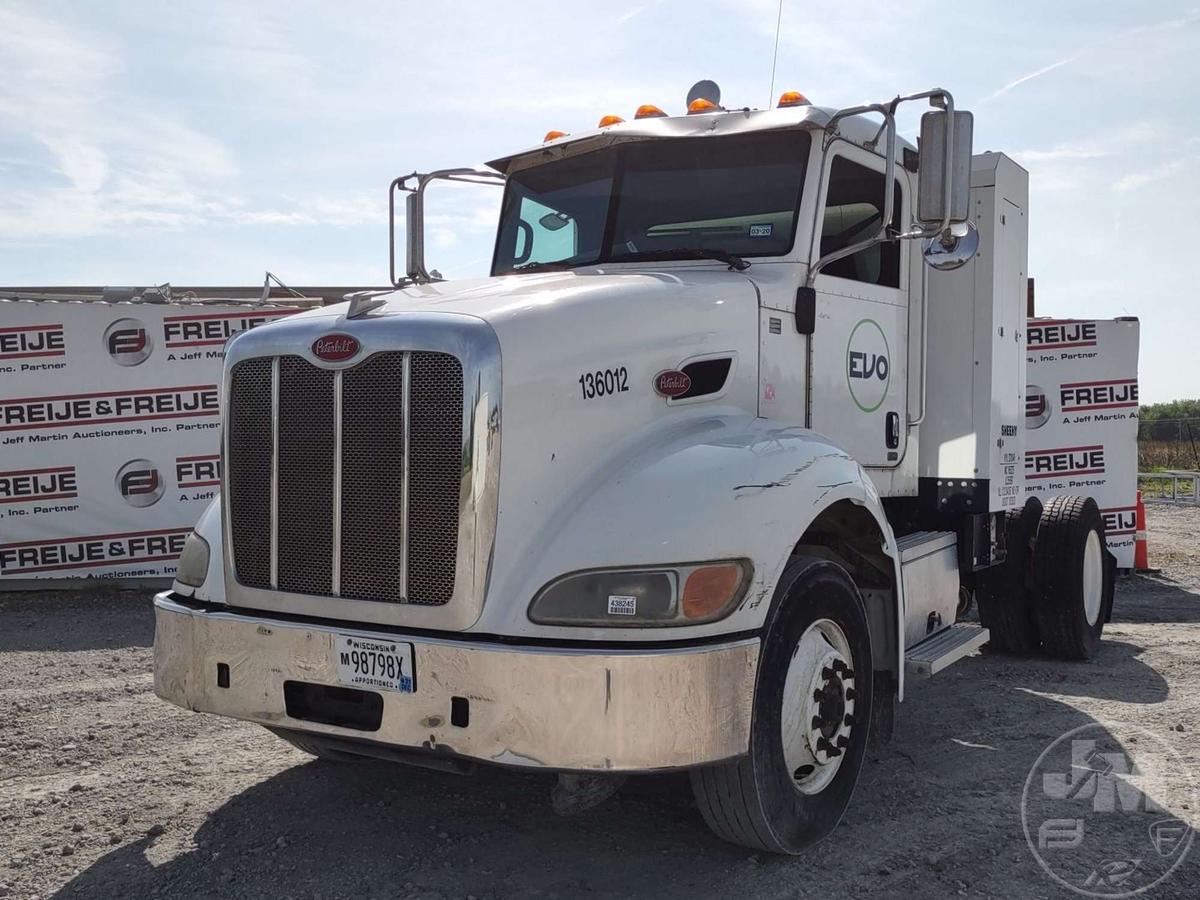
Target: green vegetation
[{"x": 1169, "y": 436}]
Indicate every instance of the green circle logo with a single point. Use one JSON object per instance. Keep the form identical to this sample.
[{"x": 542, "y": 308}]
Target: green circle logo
[{"x": 868, "y": 365}]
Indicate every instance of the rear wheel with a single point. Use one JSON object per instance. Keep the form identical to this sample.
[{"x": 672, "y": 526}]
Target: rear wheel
[
  {"x": 812, "y": 714},
  {"x": 1005, "y": 593},
  {"x": 1073, "y": 577}
]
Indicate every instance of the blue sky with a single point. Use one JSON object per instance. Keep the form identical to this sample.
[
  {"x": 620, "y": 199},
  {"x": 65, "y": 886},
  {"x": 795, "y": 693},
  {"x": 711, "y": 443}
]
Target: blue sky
[{"x": 206, "y": 143}]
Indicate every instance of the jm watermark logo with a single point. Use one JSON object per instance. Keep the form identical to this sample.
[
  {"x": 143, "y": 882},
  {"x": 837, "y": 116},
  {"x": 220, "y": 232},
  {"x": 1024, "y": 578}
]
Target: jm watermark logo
[{"x": 1094, "y": 810}]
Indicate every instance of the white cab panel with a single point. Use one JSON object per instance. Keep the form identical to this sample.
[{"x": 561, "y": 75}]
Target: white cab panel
[{"x": 972, "y": 435}]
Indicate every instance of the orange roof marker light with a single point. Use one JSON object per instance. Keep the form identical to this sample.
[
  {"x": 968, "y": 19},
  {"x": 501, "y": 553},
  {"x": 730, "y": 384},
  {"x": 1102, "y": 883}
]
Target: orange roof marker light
[
  {"x": 700, "y": 105},
  {"x": 793, "y": 98},
  {"x": 648, "y": 111},
  {"x": 610, "y": 120},
  {"x": 553, "y": 136}
]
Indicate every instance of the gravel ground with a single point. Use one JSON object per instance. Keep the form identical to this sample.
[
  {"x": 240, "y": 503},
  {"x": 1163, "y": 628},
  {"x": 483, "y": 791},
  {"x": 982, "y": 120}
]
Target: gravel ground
[{"x": 105, "y": 791}]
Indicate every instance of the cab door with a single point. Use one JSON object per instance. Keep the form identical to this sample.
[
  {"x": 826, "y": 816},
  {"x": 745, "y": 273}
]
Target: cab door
[{"x": 858, "y": 350}]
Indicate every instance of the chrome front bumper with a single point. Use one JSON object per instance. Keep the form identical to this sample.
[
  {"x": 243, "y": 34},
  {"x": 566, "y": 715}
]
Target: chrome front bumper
[{"x": 559, "y": 708}]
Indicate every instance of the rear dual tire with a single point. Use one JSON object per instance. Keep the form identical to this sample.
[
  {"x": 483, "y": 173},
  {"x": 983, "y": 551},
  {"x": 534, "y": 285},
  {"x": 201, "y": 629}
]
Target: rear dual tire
[
  {"x": 1073, "y": 578},
  {"x": 1004, "y": 593},
  {"x": 1055, "y": 590}
]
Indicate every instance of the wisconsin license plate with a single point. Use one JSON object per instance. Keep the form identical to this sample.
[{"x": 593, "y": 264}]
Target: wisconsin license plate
[{"x": 372, "y": 663}]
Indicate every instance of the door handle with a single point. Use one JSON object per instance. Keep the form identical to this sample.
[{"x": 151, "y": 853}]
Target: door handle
[{"x": 892, "y": 430}]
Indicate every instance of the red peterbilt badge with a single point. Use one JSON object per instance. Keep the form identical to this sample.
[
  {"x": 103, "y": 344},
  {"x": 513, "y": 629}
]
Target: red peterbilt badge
[
  {"x": 335, "y": 347},
  {"x": 672, "y": 383}
]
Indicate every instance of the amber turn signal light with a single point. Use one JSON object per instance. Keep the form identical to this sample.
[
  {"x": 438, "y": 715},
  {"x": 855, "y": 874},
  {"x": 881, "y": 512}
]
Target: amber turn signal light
[
  {"x": 793, "y": 98},
  {"x": 700, "y": 105},
  {"x": 553, "y": 136},
  {"x": 709, "y": 588},
  {"x": 610, "y": 120},
  {"x": 648, "y": 111}
]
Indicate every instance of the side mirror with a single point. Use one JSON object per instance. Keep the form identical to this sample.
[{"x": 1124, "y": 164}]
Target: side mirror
[{"x": 933, "y": 176}]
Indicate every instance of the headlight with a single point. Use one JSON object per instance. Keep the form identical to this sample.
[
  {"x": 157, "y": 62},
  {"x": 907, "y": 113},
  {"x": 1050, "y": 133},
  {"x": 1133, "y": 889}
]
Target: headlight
[
  {"x": 193, "y": 561},
  {"x": 683, "y": 594}
]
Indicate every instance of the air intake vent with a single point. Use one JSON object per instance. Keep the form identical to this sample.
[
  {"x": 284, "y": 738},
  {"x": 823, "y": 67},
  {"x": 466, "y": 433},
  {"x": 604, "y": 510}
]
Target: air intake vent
[{"x": 708, "y": 377}]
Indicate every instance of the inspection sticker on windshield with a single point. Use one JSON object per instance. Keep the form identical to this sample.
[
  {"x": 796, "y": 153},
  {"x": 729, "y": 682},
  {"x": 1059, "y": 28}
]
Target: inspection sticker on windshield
[
  {"x": 763, "y": 230},
  {"x": 372, "y": 663}
]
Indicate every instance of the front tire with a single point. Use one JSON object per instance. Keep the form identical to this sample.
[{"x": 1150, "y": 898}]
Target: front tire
[{"x": 812, "y": 714}]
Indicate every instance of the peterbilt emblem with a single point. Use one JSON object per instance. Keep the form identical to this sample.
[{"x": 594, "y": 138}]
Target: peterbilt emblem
[
  {"x": 672, "y": 383},
  {"x": 335, "y": 347}
]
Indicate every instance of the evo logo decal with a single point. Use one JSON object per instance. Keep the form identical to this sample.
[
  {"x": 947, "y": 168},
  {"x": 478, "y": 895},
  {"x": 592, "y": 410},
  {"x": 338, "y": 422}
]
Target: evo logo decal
[{"x": 868, "y": 365}]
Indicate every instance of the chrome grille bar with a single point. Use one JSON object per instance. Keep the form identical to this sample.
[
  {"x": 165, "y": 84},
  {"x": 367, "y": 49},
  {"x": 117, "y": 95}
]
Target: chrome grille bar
[
  {"x": 406, "y": 414},
  {"x": 274, "y": 517},
  {"x": 336, "y": 560}
]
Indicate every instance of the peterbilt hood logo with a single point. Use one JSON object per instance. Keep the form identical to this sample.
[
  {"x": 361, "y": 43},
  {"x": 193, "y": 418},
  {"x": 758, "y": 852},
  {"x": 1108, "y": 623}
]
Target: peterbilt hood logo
[
  {"x": 335, "y": 347},
  {"x": 672, "y": 383}
]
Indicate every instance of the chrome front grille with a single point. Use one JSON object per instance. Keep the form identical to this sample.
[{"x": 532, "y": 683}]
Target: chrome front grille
[{"x": 352, "y": 487}]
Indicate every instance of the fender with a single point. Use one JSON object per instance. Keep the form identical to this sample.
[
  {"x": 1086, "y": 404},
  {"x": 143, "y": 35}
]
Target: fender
[{"x": 713, "y": 487}]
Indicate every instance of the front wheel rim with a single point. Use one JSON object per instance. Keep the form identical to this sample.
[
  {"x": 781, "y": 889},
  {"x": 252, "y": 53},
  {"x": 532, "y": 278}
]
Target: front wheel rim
[{"x": 817, "y": 719}]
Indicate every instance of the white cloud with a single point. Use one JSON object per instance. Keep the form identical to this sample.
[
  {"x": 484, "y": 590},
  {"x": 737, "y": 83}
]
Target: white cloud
[
  {"x": 134, "y": 165},
  {"x": 1160, "y": 172},
  {"x": 1126, "y": 39}
]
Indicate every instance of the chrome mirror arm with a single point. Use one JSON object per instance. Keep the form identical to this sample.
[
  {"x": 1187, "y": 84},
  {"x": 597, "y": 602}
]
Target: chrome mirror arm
[
  {"x": 415, "y": 269},
  {"x": 938, "y": 97},
  {"x": 889, "y": 124}
]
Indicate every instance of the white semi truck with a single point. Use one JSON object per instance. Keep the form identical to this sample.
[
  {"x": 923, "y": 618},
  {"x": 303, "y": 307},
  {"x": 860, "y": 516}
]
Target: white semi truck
[{"x": 720, "y": 452}]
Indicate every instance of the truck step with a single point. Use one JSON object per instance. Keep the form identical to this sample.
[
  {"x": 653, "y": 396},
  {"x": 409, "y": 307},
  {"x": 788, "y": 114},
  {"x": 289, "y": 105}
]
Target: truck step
[{"x": 940, "y": 650}]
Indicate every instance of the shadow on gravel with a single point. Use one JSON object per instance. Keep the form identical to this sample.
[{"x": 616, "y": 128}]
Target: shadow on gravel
[
  {"x": 66, "y": 620},
  {"x": 378, "y": 830},
  {"x": 1155, "y": 598}
]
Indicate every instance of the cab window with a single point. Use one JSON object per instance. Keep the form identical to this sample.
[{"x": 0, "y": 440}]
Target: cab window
[
  {"x": 852, "y": 213},
  {"x": 555, "y": 213}
]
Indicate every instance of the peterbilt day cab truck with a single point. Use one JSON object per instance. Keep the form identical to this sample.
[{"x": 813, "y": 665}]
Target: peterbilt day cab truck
[{"x": 718, "y": 454}]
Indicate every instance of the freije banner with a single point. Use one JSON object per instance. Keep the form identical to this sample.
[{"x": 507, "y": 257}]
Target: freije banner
[
  {"x": 1081, "y": 418},
  {"x": 109, "y": 432}
]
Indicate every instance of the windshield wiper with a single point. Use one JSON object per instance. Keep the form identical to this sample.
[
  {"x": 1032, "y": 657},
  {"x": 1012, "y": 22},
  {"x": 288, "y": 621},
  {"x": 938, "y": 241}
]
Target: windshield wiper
[
  {"x": 731, "y": 260},
  {"x": 557, "y": 265}
]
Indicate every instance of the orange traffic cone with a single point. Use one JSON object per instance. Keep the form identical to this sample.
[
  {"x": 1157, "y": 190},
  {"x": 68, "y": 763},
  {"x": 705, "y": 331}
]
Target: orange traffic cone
[{"x": 1141, "y": 561}]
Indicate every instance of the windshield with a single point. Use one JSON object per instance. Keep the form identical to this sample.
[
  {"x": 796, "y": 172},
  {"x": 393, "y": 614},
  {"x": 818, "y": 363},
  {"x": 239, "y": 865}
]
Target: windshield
[{"x": 658, "y": 199}]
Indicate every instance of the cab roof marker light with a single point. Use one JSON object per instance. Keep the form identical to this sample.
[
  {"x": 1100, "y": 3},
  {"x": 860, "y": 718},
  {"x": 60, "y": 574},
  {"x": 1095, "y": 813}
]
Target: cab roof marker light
[
  {"x": 793, "y": 98},
  {"x": 610, "y": 120},
  {"x": 553, "y": 136},
  {"x": 700, "y": 105},
  {"x": 649, "y": 111}
]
